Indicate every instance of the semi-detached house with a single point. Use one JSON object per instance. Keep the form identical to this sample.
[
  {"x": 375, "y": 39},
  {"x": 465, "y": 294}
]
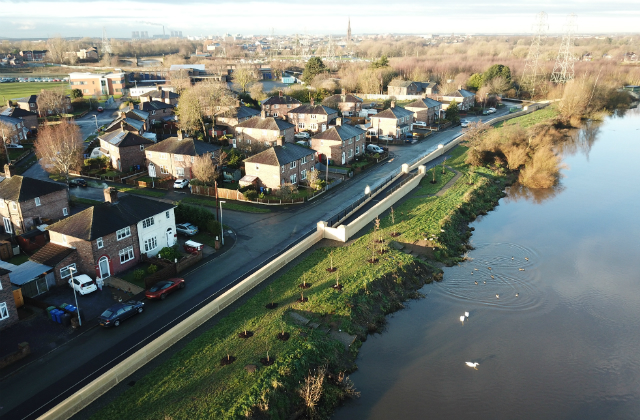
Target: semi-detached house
[
  {"x": 279, "y": 165},
  {"x": 395, "y": 121},
  {"x": 314, "y": 118},
  {"x": 341, "y": 143},
  {"x": 174, "y": 156},
  {"x": 124, "y": 148}
]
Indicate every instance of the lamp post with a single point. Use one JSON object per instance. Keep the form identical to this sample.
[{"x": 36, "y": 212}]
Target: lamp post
[
  {"x": 221, "y": 227},
  {"x": 73, "y": 285},
  {"x": 96, "y": 118}
]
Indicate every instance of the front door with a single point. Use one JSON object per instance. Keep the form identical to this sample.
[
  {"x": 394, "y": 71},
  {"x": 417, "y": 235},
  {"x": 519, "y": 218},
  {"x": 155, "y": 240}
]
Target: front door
[
  {"x": 343, "y": 158},
  {"x": 324, "y": 127},
  {"x": 171, "y": 240},
  {"x": 104, "y": 267}
]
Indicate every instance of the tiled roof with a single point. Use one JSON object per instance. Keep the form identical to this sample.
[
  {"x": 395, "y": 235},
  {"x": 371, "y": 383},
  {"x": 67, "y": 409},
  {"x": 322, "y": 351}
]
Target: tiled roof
[
  {"x": 137, "y": 114},
  {"x": 339, "y": 133},
  {"x": 17, "y": 112},
  {"x": 187, "y": 146},
  {"x": 461, "y": 93},
  {"x": 51, "y": 254},
  {"x": 400, "y": 83},
  {"x": 281, "y": 100},
  {"x": 246, "y": 112},
  {"x": 280, "y": 155},
  {"x": 21, "y": 188},
  {"x": 423, "y": 103},
  {"x": 119, "y": 122},
  {"x": 154, "y": 106},
  {"x": 30, "y": 99},
  {"x": 348, "y": 97},
  {"x": 396, "y": 112},
  {"x": 161, "y": 94},
  {"x": 10, "y": 120},
  {"x": 103, "y": 219},
  {"x": 313, "y": 109},
  {"x": 268, "y": 123},
  {"x": 124, "y": 138}
]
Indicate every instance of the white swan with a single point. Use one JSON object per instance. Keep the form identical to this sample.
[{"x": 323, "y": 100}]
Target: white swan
[
  {"x": 497, "y": 296},
  {"x": 473, "y": 365},
  {"x": 466, "y": 314},
  {"x": 462, "y": 318},
  {"x": 517, "y": 294}
]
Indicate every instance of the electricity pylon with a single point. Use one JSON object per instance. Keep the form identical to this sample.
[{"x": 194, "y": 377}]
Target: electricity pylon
[
  {"x": 532, "y": 68},
  {"x": 563, "y": 70}
]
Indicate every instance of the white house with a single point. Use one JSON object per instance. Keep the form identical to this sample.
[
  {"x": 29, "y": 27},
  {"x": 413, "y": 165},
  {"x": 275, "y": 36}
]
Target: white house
[{"x": 156, "y": 232}]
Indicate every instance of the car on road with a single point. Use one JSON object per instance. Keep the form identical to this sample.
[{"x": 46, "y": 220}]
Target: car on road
[
  {"x": 180, "y": 183},
  {"x": 163, "y": 288},
  {"x": 100, "y": 109},
  {"x": 374, "y": 148},
  {"x": 491, "y": 110},
  {"x": 187, "y": 229},
  {"x": 385, "y": 138},
  {"x": 419, "y": 124},
  {"x": 303, "y": 135},
  {"x": 14, "y": 146},
  {"x": 83, "y": 284},
  {"x": 464, "y": 123},
  {"x": 78, "y": 182},
  {"x": 117, "y": 313}
]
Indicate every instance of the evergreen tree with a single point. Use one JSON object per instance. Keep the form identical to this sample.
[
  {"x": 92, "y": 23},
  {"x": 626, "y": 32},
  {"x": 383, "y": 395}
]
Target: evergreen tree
[{"x": 313, "y": 67}]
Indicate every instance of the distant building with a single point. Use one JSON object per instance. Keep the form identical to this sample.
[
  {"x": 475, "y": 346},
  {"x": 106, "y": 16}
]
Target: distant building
[{"x": 98, "y": 84}]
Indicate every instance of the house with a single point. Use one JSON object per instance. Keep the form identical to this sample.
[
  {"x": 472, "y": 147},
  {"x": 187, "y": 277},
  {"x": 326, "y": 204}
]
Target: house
[
  {"x": 88, "y": 54},
  {"x": 98, "y": 84},
  {"x": 346, "y": 103},
  {"x": 35, "y": 55},
  {"x": 341, "y": 143},
  {"x": 395, "y": 121},
  {"x": 280, "y": 165},
  {"x": 630, "y": 57},
  {"x": 290, "y": 78},
  {"x": 312, "y": 117},
  {"x": 160, "y": 95},
  {"x": 407, "y": 87},
  {"x": 110, "y": 238},
  {"x": 234, "y": 116},
  {"x": 174, "y": 156},
  {"x": 278, "y": 106},
  {"x": 17, "y": 133},
  {"x": 464, "y": 98},
  {"x": 124, "y": 148},
  {"x": 59, "y": 258},
  {"x": 25, "y": 201},
  {"x": 8, "y": 310},
  {"x": 158, "y": 111},
  {"x": 29, "y": 119},
  {"x": 263, "y": 131},
  {"x": 425, "y": 109},
  {"x": 28, "y": 103}
]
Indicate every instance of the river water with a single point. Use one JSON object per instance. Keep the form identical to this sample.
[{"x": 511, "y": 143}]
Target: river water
[{"x": 568, "y": 346}]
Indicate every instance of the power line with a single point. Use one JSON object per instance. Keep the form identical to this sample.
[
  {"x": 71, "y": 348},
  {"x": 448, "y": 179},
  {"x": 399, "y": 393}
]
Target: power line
[
  {"x": 563, "y": 70},
  {"x": 532, "y": 68}
]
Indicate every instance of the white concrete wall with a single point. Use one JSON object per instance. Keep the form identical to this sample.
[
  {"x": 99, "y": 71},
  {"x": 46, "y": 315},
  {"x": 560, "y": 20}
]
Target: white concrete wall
[{"x": 157, "y": 230}]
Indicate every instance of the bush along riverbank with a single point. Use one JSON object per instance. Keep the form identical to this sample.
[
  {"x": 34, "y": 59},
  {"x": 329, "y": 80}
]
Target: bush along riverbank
[{"x": 287, "y": 351}]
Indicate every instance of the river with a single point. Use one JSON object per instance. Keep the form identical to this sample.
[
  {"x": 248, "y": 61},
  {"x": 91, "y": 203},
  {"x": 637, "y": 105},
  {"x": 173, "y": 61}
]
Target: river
[{"x": 568, "y": 346}]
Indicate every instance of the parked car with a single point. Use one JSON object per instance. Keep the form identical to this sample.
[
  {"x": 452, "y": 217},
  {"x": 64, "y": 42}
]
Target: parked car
[
  {"x": 303, "y": 135},
  {"x": 187, "y": 229},
  {"x": 385, "y": 138},
  {"x": 492, "y": 110},
  {"x": 117, "y": 313},
  {"x": 83, "y": 284},
  {"x": 161, "y": 289},
  {"x": 180, "y": 183},
  {"x": 374, "y": 148},
  {"x": 100, "y": 109},
  {"x": 78, "y": 182},
  {"x": 303, "y": 143},
  {"x": 14, "y": 146},
  {"x": 464, "y": 123},
  {"x": 419, "y": 124}
]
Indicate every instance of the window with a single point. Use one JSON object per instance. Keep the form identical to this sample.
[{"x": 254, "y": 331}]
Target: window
[
  {"x": 179, "y": 171},
  {"x": 163, "y": 156},
  {"x": 304, "y": 160},
  {"x": 163, "y": 169},
  {"x": 179, "y": 158},
  {"x": 7, "y": 225},
  {"x": 100, "y": 243},
  {"x": 142, "y": 147},
  {"x": 65, "y": 212},
  {"x": 357, "y": 150},
  {"x": 193, "y": 158},
  {"x": 153, "y": 112},
  {"x": 14, "y": 205},
  {"x": 314, "y": 116},
  {"x": 351, "y": 140},
  {"x": 126, "y": 254},
  {"x": 37, "y": 201},
  {"x": 2, "y": 204},
  {"x": 303, "y": 174},
  {"x": 282, "y": 169},
  {"x": 149, "y": 155},
  {"x": 294, "y": 178},
  {"x": 147, "y": 222},
  {"x": 64, "y": 239},
  {"x": 275, "y": 114},
  {"x": 293, "y": 164},
  {"x": 301, "y": 125},
  {"x": 275, "y": 106},
  {"x": 150, "y": 244},
  {"x": 350, "y": 154},
  {"x": 313, "y": 126},
  {"x": 65, "y": 271},
  {"x": 4, "y": 312},
  {"x": 166, "y": 213},
  {"x": 123, "y": 233}
]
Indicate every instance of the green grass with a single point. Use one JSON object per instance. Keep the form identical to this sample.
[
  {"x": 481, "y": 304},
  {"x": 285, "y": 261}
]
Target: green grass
[
  {"x": 141, "y": 191},
  {"x": 90, "y": 138},
  {"x": 205, "y": 238},
  {"x": 229, "y": 205},
  {"x": 427, "y": 188},
  {"x": 20, "y": 90},
  {"x": 19, "y": 259},
  {"x": 534, "y": 118},
  {"x": 15, "y": 153},
  {"x": 86, "y": 201}
]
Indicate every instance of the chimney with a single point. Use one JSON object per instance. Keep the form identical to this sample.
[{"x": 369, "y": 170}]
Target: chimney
[
  {"x": 7, "y": 171},
  {"x": 280, "y": 93},
  {"x": 180, "y": 135},
  {"x": 280, "y": 141},
  {"x": 344, "y": 91},
  {"x": 110, "y": 195},
  {"x": 393, "y": 104},
  {"x": 263, "y": 114},
  {"x": 338, "y": 122},
  {"x": 312, "y": 101},
  {"x": 459, "y": 87},
  {"x": 160, "y": 88}
]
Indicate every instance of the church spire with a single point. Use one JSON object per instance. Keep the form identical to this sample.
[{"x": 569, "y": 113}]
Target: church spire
[{"x": 349, "y": 30}]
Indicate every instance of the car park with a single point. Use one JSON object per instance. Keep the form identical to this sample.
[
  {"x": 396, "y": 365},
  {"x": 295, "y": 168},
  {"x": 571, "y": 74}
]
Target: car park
[
  {"x": 78, "y": 182},
  {"x": 117, "y": 313},
  {"x": 83, "y": 284},
  {"x": 163, "y": 288},
  {"x": 187, "y": 229},
  {"x": 373, "y": 148},
  {"x": 180, "y": 183}
]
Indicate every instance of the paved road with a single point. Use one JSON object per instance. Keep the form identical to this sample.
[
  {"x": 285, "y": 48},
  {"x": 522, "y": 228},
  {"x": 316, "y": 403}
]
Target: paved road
[
  {"x": 50, "y": 379},
  {"x": 88, "y": 123}
]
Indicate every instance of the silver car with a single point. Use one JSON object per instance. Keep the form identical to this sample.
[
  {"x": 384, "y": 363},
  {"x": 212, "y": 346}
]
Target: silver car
[{"x": 187, "y": 229}]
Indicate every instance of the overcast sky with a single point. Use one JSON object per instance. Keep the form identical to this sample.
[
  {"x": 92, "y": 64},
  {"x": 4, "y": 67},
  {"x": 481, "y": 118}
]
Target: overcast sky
[{"x": 69, "y": 18}]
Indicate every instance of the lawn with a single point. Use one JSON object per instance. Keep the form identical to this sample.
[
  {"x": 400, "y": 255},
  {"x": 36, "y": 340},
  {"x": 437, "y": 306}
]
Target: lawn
[
  {"x": 20, "y": 90},
  {"x": 15, "y": 153},
  {"x": 526, "y": 121},
  {"x": 427, "y": 188},
  {"x": 229, "y": 205},
  {"x": 141, "y": 191},
  {"x": 19, "y": 259},
  {"x": 86, "y": 201}
]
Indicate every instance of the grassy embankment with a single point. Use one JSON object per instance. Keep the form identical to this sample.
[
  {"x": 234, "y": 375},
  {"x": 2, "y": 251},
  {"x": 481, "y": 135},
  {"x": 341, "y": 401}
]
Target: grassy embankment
[
  {"x": 193, "y": 384},
  {"x": 20, "y": 90}
]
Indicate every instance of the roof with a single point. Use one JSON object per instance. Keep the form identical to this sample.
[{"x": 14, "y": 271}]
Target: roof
[
  {"x": 51, "y": 254},
  {"x": 161, "y": 93},
  {"x": 280, "y": 155},
  {"x": 124, "y": 138},
  {"x": 199, "y": 67},
  {"x": 400, "y": 83},
  {"x": 21, "y": 188},
  {"x": 423, "y": 103},
  {"x": 339, "y": 133},
  {"x": 103, "y": 219},
  {"x": 348, "y": 97},
  {"x": 313, "y": 109},
  {"x": 87, "y": 75},
  {"x": 137, "y": 114},
  {"x": 26, "y": 272},
  {"x": 135, "y": 124},
  {"x": 268, "y": 123},
  {"x": 32, "y": 99},
  {"x": 461, "y": 93},
  {"x": 246, "y": 112},
  {"x": 17, "y": 112},
  {"x": 281, "y": 100},
  {"x": 154, "y": 105},
  {"x": 186, "y": 146},
  {"x": 10, "y": 120},
  {"x": 395, "y": 112}
]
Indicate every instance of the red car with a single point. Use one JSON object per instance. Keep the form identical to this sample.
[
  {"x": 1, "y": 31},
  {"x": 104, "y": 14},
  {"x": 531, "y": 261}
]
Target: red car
[{"x": 161, "y": 289}]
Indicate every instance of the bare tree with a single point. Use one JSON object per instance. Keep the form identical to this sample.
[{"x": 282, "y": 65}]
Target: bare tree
[
  {"x": 59, "y": 147},
  {"x": 8, "y": 133},
  {"x": 203, "y": 169},
  {"x": 311, "y": 389},
  {"x": 51, "y": 101},
  {"x": 244, "y": 76},
  {"x": 190, "y": 112},
  {"x": 256, "y": 92},
  {"x": 56, "y": 49},
  {"x": 180, "y": 80}
]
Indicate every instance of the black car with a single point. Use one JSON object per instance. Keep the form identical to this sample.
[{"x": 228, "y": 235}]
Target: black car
[
  {"x": 119, "y": 312},
  {"x": 78, "y": 182}
]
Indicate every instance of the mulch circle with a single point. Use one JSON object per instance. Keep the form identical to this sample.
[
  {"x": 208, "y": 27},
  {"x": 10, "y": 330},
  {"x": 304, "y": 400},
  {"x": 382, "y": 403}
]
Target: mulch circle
[
  {"x": 382, "y": 251},
  {"x": 227, "y": 361},
  {"x": 433, "y": 182},
  {"x": 337, "y": 287},
  {"x": 245, "y": 334},
  {"x": 283, "y": 336},
  {"x": 373, "y": 261},
  {"x": 304, "y": 285},
  {"x": 395, "y": 234},
  {"x": 301, "y": 300},
  {"x": 332, "y": 269},
  {"x": 269, "y": 362},
  {"x": 272, "y": 305},
  {"x": 379, "y": 241}
]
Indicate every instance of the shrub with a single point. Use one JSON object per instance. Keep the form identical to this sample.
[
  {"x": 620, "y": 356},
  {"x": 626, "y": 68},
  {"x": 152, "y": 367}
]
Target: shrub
[
  {"x": 170, "y": 253},
  {"x": 250, "y": 195},
  {"x": 197, "y": 215},
  {"x": 213, "y": 227},
  {"x": 152, "y": 269},
  {"x": 138, "y": 274}
]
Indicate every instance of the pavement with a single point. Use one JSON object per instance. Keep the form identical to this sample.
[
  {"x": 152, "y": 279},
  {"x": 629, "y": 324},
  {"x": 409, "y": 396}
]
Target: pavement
[{"x": 259, "y": 238}]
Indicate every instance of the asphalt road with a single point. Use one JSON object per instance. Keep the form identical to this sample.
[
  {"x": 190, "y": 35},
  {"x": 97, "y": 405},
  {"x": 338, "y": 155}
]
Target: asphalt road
[
  {"x": 88, "y": 123},
  {"x": 47, "y": 381}
]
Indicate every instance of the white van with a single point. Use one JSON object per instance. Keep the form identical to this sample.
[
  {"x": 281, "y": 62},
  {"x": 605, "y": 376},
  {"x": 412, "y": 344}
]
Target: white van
[
  {"x": 83, "y": 284},
  {"x": 374, "y": 148}
]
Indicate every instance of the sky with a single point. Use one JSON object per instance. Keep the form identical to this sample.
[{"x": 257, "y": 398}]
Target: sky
[{"x": 76, "y": 18}]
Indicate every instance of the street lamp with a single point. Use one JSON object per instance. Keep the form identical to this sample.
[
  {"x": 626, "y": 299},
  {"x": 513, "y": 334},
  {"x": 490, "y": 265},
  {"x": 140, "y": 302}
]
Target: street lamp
[
  {"x": 73, "y": 285},
  {"x": 221, "y": 227},
  {"x": 96, "y": 118}
]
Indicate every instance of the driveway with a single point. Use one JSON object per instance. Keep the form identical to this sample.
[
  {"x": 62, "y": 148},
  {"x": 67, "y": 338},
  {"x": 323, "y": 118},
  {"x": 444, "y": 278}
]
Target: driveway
[{"x": 90, "y": 122}]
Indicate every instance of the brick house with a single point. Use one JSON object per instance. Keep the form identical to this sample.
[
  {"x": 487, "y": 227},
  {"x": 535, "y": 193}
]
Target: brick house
[
  {"x": 259, "y": 132},
  {"x": 278, "y": 106},
  {"x": 425, "y": 109},
  {"x": 341, "y": 143},
  {"x": 8, "y": 310},
  {"x": 109, "y": 238},
  {"x": 35, "y": 55},
  {"x": 25, "y": 201},
  {"x": 464, "y": 98},
  {"x": 395, "y": 121},
  {"x": 28, "y": 103},
  {"x": 280, "y": 165},
  {"x": 314, "y": 118},
  {"x": 124, "y": 148},
  {"x": 347, "y": 103},
  {"x": 174, "y": 156},
  {"x": 407, "y": 87},
  {"x": 29, "y": 119},
  {"x": 236, "y": 116},
  {"x": 60, "y": 258},
  {"x": 18, "y": 130},
  {"x": 97, "y": 84},
  {"x": 158, "y": 111},
  {"x": 160, "y": 95}
]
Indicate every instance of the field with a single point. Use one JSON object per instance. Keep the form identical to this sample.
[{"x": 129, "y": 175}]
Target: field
[
  {"x": 20, "y": 90},
  {"x": 532, "y": 119}
]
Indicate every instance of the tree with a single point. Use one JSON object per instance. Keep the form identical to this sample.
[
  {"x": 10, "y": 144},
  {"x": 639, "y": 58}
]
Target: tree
[
  {"x": 76, "y": 93},
  {"x": 203, "y": 169},
  {"x": 51, "y": 101},
  {"x": 453, "y": 112},
  {"x": 475, "y": 81},
  {"x": 256, "y": 92},
  {"x": 497, "y": 70},
  {"x": 244, "y": 76},
  {"x": 56, "y": 49},
  {"x": 382, "y": 62},
  {"x": 180, "y": 80},
  {"x": 199, "y": 101},
  {"x": 313, "y": 67},
  {"x": 497, "y": 85},
  {"x": 59, "y": 147}
]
